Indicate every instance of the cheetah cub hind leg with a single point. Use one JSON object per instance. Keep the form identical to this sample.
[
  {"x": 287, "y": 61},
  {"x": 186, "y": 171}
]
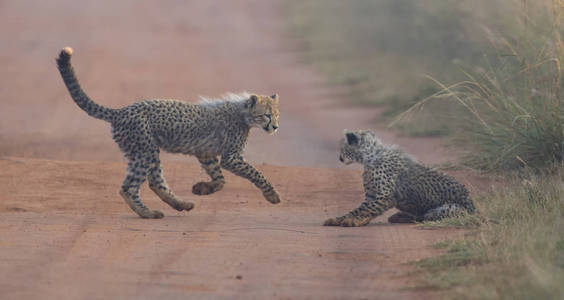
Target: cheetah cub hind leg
[
  {"x": 137, "y": 171},
  {"x": 444, "y": 211},
  {"x": 138, "y": 207},
  {"x": 169, "y": 198},
  {"x": 158, "y": 184},
  {"x": 402, "y": 217}
]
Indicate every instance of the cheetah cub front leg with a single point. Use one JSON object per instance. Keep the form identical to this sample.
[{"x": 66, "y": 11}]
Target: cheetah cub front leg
[
  {"x": 238, "y": 166},
  {"x": 372, "y": 207},
  {"x": 212, "y": 168},
  {"x": 348, "y": 221},
  {"x": 377, "y": 199}
]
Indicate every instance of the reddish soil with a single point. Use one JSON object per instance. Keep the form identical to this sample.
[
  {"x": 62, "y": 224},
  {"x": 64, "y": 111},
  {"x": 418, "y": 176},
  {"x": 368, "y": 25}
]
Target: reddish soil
[{"x": 66, "y": 234}]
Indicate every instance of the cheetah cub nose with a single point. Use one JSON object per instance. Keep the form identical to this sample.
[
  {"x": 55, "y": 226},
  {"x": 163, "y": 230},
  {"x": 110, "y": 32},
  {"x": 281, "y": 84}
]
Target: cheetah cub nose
[{"x": 274, "y": 127}]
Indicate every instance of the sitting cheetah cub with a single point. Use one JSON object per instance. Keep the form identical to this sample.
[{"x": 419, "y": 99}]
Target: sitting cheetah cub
[
  {"x": 208, "y": 130},
  {"x": 393, "y": 179}
]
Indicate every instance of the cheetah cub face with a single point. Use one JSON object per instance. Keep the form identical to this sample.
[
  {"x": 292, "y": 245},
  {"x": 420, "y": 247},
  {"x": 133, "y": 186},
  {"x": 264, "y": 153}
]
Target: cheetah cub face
[
  {"x": 357, "y": 145},
  {"x": 263, "y": 112}
]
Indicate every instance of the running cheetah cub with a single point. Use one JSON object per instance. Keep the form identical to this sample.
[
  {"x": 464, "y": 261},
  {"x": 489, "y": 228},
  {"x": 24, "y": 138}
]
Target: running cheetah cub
[
  {"x": 393, "y": 179},
  {"x": 209, "y": 130}
]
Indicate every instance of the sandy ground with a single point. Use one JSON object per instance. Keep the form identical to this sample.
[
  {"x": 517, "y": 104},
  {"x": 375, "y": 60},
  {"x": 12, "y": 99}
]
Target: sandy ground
[{"x": 66, "y": 234}]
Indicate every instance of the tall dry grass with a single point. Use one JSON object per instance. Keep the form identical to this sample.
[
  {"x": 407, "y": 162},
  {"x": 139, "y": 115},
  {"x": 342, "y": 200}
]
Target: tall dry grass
[
  {"x": 518, "y": 253},
  {"x": 379, "y": 49},
  {"x": 513, "y": 118},
  {"x": 512, "y": 110}
]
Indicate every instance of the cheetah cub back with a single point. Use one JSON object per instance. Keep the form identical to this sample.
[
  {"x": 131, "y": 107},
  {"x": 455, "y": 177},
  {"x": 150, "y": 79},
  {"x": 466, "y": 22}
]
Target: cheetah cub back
[
  {"x": 215, "y": 132},
  {"x": 392, "y": 178}
]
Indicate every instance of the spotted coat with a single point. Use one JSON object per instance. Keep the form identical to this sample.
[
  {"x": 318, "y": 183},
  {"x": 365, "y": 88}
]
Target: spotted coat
[
  {"x": 214, "y": 131},
  {"x": 392, "y": 178}
]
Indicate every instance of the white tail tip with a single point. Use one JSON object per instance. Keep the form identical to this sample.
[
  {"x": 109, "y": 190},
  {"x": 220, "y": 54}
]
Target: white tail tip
[{"x": 68, "y": 50}]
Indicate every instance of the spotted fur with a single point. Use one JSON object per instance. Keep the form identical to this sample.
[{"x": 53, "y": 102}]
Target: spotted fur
[
  {"x": 215, "y": 132},
  {"x": 393, "y": 179}
]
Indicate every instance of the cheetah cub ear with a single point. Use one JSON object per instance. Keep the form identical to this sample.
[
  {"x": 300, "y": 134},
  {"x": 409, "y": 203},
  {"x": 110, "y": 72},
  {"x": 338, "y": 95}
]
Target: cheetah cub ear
[
  {"x": 353, "y": 138},
  {"x": 253, "y": 99}
]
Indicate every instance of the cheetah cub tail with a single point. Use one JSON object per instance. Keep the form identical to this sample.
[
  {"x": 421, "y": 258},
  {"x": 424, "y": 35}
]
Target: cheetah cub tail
[
  {"x": 64, "y": 57},
  {"x": 78, "y": 95}
]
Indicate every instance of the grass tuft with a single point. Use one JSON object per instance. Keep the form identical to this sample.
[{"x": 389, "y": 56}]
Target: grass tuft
[
  {"x": 512, "y": 112},
  {"x": 518, "y": 255}
]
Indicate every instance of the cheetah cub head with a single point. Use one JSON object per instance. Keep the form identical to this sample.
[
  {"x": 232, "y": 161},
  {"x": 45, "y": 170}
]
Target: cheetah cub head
[
  {"x": 356, "y": 145},
  {"x": 263, "y": 112}
]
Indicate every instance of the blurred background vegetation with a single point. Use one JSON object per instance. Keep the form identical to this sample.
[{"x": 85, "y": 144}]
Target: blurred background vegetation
[
  {"x": 382, "y": 50},
  {"x": 488, "y": 74},
  {"x": 485, "y": 71}
]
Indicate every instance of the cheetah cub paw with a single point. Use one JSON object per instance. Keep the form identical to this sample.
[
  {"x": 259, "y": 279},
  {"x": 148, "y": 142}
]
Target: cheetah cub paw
[
  {"x": 347, "y": 221},
  {"x": 272, "y": 197},
  {"x": 206, "y": 188}
]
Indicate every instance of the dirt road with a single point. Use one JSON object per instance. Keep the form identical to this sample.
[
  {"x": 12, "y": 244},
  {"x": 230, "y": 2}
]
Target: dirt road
[{"x": 66, "y": 234}]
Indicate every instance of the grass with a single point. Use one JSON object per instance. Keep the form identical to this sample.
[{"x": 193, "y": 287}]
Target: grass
[
  {"x": 513, "y": 123},
  {"x": 511, "y": 113},
  {"x": 518, "y": 254},
  {"x": 380, "y": 50}
]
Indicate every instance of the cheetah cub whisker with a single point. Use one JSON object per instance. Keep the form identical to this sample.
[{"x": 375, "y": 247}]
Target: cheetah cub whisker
[
  {"x": 216, "y": 132},
  {"x": 392, "y": 178}
]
